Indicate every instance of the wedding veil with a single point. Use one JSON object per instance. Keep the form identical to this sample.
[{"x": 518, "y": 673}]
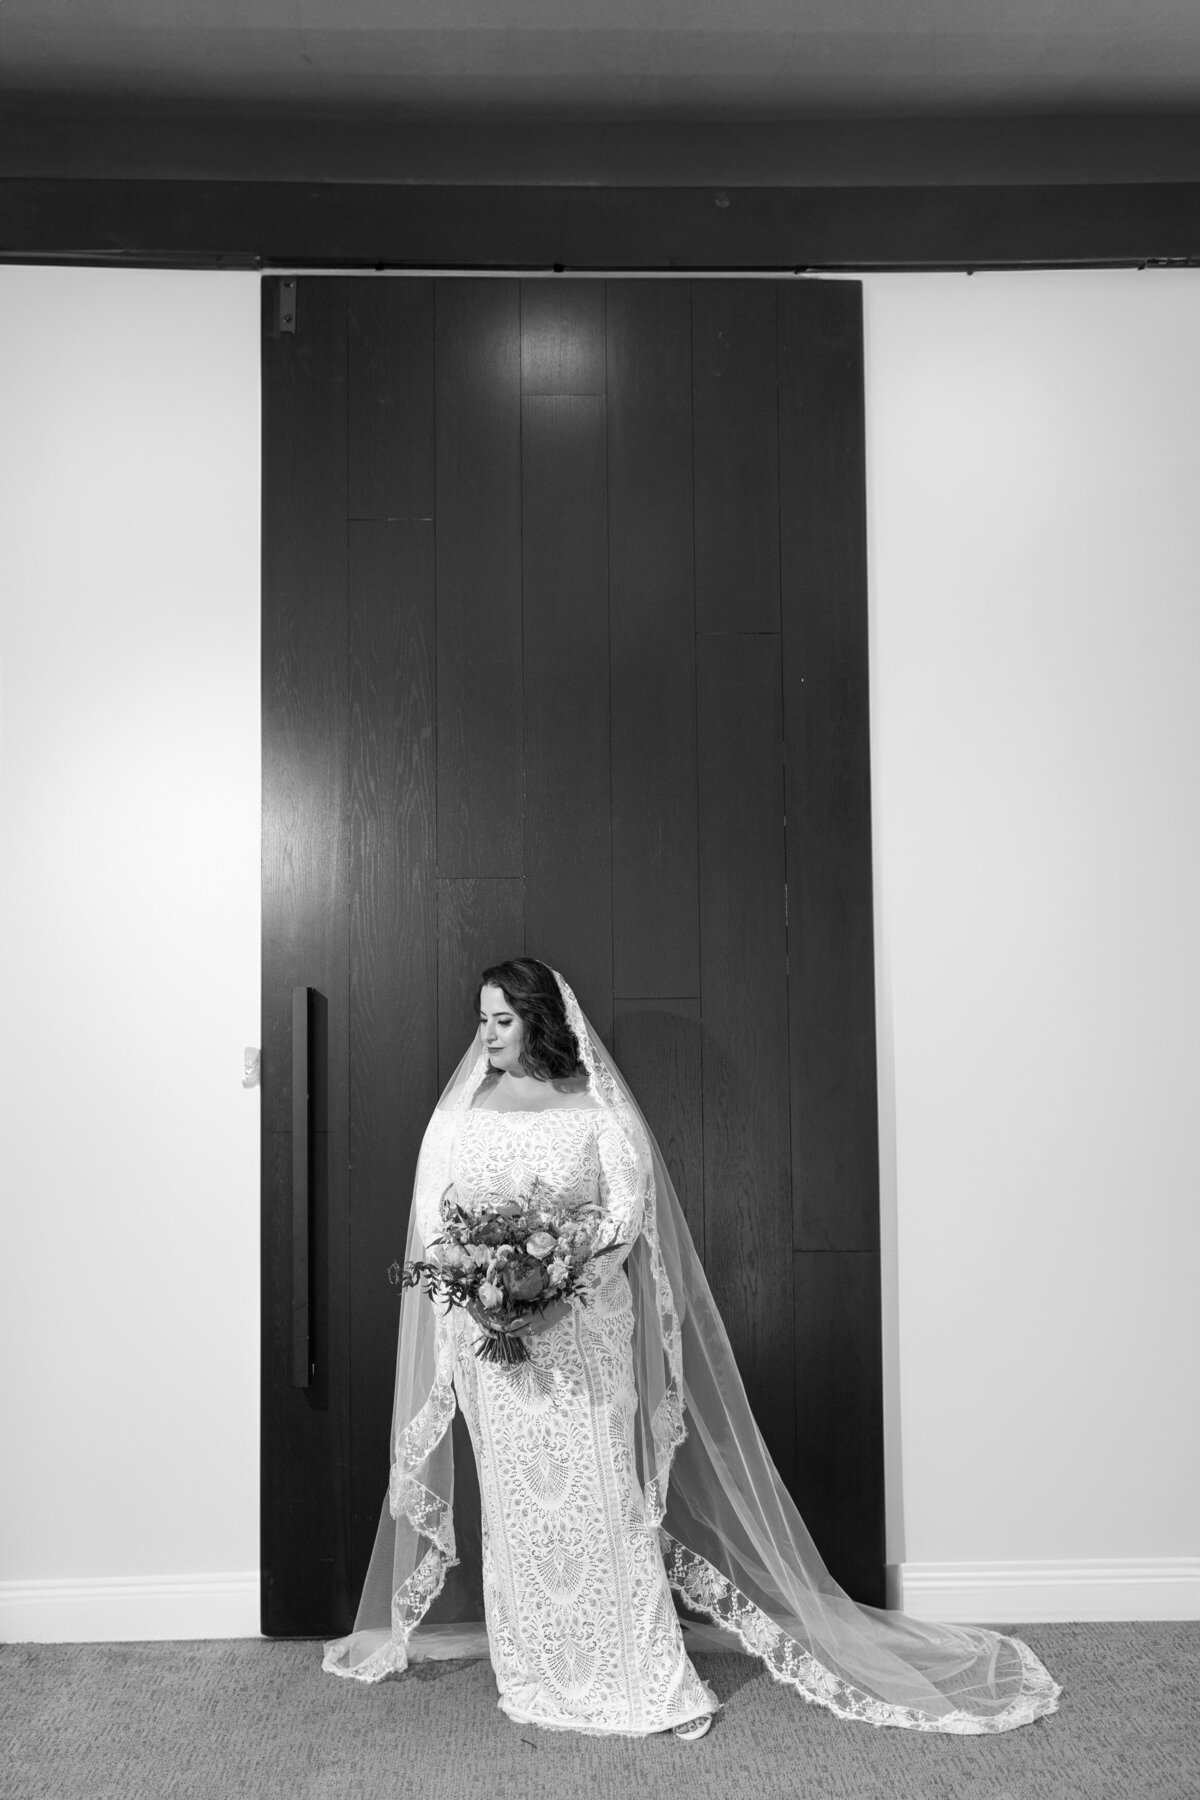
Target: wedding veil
[{"x": 735, "y": 1547}]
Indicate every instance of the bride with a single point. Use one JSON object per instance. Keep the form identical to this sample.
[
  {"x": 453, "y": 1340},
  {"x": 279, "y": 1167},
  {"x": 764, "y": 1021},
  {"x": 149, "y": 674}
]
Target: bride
[{"x": 621, "y": 1460}]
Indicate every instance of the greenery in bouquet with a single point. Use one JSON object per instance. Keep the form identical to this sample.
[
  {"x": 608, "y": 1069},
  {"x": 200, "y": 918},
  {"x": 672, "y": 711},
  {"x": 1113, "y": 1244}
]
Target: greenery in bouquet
[{"x": 506, "y": 1263}]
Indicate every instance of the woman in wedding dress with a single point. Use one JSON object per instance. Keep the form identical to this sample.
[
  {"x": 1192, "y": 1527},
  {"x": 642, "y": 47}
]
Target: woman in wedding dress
[{"x": 620, "y": 1461}]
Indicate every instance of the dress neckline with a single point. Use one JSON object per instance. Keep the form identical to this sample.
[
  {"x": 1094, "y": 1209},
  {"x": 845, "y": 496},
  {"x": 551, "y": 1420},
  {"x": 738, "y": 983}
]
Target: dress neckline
[{"x": 526, "y": 1112}]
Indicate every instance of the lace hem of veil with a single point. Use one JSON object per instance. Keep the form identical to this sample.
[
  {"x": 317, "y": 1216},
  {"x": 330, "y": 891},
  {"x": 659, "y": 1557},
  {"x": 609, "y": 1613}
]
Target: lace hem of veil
[
  {"x": 706, "y": 1591},
  {"x": 409, "y": 1606},
  {"x": 429, "y": 1515},
  {"x": 416, "y": 1442},
  {"x": 389, "y": 1659}
]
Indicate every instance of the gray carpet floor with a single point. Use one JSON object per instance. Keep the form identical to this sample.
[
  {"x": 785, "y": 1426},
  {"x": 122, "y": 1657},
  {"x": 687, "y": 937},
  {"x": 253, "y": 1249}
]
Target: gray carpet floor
[{"x": 197, "y": 1720}]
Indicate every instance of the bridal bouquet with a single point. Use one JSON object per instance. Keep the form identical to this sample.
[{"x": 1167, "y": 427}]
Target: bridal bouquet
[{"x": 507, "y": 1263}]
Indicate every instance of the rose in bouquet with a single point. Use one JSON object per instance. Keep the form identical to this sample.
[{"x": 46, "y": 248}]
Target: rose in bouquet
[{"x": 507, "y": 1262}]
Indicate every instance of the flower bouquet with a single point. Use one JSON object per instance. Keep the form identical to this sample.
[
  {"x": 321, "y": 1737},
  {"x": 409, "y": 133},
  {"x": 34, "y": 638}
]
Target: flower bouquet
[{"x": 506, "y": 1263}]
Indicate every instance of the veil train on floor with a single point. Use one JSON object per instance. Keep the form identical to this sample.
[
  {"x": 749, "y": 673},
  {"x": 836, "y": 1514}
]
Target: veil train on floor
[{"x": 736, "y": 1549}]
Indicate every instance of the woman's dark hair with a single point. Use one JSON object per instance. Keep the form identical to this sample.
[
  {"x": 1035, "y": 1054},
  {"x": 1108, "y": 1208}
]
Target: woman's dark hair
[{"x": 550, "y": 1049}]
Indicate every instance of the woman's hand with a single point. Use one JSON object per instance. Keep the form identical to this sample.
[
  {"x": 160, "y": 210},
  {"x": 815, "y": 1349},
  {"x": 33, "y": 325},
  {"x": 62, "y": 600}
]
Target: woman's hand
[
  {"x": 490, "y": 1321},
  {"x": 531, "y": 1327},
  {"x": 545, "y": 1321}
]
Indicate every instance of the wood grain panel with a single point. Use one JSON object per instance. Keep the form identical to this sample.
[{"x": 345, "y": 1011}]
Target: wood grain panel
[
  {"x": 743, "y": 952},
  {"x": 304, "y": 624},
  {"x": 304, "y": 1578},
  {"x": 390, "y": 399},
  {"x": 736, "y": 456},
  {"x": 656, "y": 902},
  {"x": 305, "y": 729},
  {"x": 479, "y": 725},
  {"x": 839, "y": 1415},
  {"x": 480, "y": 922},
  {"x": 562, "y": 337},
  {"x": 835, "y": 1150},
  {"x": 393, "y": 953},
  {"x": 610, "y": 795},
  {"x": 568, "y": 868},
  {"x": 657, "y": 1045}
]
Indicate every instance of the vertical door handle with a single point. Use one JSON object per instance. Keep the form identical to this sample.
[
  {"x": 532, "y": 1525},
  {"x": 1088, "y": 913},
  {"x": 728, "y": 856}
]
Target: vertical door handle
[{"x": 302, "y": 1158}]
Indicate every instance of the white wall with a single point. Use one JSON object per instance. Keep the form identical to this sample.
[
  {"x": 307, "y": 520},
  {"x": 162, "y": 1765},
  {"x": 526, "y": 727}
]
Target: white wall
[
  {"x": 1034, "y": 461},
  {"x": 129, "y": 759},
  {"x": 1034, "y": 471}
]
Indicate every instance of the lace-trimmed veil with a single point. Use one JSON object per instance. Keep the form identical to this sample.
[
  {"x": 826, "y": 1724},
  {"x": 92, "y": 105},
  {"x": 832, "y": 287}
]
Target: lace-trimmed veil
[{"x": 735, "y": 1547}]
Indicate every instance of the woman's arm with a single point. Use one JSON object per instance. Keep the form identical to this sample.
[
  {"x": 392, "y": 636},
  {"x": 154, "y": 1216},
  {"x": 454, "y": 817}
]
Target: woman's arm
[
  {"x": 621, "y": 1175},
  {"x": 622, "y": 1181}
]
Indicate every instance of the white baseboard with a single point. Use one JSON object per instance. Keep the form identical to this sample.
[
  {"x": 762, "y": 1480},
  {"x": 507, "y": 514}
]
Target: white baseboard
[
  {"x": 157, "y": 1607},
  {"x": 1013, "y": 1593},
  {"x": 130, "y": 1609}
]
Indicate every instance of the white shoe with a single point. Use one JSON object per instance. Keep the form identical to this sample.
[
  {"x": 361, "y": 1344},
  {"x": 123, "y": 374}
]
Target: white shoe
[{"x": 691, "y": 1729}]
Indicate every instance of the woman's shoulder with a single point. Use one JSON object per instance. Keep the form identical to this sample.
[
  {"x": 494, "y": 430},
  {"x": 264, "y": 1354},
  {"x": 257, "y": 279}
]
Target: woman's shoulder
[
  {"x": 567, "y": 1094},
  {"x": 572, "y": 1093},
  {"x": 583, "y": 1108}
]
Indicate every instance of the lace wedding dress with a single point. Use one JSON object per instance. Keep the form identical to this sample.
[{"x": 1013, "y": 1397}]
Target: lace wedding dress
[
  {"x": 621, "y": 1463},
  {"x": 581, "y": 1624}
]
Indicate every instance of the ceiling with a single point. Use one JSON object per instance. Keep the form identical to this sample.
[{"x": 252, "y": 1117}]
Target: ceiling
[
  {"x": 603, "y": 92},
  {"x": 610, "y": 59}
]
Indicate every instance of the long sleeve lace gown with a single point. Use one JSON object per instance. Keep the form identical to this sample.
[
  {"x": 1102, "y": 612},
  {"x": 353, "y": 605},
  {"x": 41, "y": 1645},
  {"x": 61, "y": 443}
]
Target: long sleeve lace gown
[
  {"x": 580, "y": 1619},
  {"x": 622, "y": 1462}
]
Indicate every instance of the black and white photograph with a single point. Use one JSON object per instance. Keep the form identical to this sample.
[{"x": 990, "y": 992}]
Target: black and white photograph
[{"x": 600, "y": 832}]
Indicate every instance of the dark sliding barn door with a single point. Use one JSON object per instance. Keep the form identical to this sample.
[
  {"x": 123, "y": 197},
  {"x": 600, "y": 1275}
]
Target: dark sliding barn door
[{"x": 564, "y": 652}]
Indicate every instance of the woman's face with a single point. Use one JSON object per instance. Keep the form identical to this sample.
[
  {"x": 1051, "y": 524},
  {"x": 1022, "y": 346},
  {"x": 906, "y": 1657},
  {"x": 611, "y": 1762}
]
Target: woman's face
[{"x": 503, "y": 1031}]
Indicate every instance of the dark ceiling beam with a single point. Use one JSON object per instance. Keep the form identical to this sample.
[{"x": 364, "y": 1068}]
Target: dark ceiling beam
[
  {"x": 78, "y": 138},
  {"x": 374, "y": 225}
]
